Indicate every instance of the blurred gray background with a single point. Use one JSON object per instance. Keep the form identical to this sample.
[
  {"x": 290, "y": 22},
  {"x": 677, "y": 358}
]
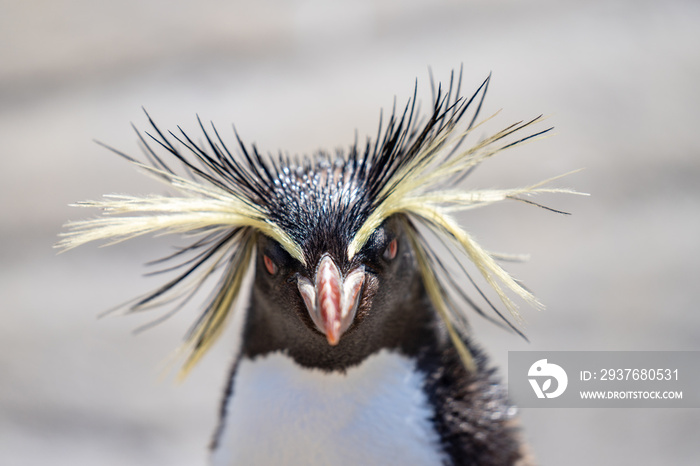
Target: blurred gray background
[{"x": 620, "y": 81}]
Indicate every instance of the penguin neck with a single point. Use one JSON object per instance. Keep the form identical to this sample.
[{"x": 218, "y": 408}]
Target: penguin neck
[{"x": 408, "y": 329}]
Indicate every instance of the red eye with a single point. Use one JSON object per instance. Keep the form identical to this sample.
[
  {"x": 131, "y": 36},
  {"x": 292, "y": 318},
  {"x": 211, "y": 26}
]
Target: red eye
[
  {"x": 391, "y": 250},
  {"x": 270, "y": 265}
]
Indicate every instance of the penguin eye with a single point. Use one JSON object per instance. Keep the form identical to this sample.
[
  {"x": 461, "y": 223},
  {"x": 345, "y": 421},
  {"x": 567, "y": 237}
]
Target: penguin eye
[
  {"x": 274, "y": 258},
  {"x": 391, "y": 250},
  {"x": 270, "y": 265}
]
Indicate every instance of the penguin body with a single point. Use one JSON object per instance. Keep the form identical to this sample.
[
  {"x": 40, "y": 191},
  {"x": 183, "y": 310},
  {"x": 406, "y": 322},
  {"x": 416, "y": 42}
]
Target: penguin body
[
  {"x": 391, "y": 409},
  {"x": 355, "y": 347}
]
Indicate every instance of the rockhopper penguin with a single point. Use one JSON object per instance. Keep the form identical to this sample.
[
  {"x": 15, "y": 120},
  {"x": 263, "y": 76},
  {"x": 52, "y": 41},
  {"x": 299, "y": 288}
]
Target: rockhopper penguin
[{"x": 354, "y": 348}]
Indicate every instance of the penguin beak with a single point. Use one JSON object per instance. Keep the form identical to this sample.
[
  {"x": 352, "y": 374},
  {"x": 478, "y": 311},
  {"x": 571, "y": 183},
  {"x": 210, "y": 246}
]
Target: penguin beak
[{"x": 332, "y": 300}]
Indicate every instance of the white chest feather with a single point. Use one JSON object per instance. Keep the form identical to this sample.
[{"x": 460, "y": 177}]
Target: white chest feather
[{"x": 283, "y": 414}]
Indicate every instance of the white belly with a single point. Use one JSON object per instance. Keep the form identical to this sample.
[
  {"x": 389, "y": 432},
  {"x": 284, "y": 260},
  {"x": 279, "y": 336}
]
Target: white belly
[{"x": 283, "y": 414}]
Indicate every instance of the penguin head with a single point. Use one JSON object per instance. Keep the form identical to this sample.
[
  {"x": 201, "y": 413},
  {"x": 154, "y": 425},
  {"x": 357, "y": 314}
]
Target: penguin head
[{"x": 335, "y": 241}]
